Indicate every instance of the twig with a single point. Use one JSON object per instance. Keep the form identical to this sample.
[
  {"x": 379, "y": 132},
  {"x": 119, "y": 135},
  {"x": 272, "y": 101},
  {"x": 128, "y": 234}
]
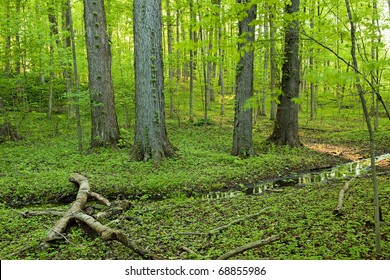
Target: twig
[
  {"x": 249, "y": 246},
  {"x": 217, "y": 229}
]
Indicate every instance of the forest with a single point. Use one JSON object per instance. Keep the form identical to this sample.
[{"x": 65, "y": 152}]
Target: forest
[{"x": 194, "y": 129}]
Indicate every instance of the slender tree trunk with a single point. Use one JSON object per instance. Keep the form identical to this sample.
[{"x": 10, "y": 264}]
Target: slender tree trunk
[
  {"x": 242, "y": 134},
  {"x": 105, "y": 130},
  {"x": 286, "y": 124},
  {"x": 68, "y": 65},
  {"x": 264, "y": 92},
  {"x": 375, "y": 75},
  {"x": 221, "y": 58},
  {"x": 54, "y": 38},
  {"x": 170, "y": 60},
  {"x": 192, "y": 38},
  {"x": 17, "y": 39},
  {"x": 274, "y": 67},
  {"x": 7, "y": 69},
  {"x": 150, "y": 139},
  {"x": 204, "y": 89},
  {"x": 311, "y": 66},
  {"x": 370, "y": 131},
  {"x": 76, "y": 78}
]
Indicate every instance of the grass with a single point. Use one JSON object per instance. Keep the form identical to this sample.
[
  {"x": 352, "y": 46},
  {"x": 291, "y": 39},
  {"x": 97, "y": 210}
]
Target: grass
[{"x": 34, "y": 175}]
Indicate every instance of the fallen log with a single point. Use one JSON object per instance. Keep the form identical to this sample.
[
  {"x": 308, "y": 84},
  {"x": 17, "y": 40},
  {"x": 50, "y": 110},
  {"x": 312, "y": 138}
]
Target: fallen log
[
  {"x": 77, "y": 213},
  {"x": 77, "y": 206},
  {"x": 248, "y": 246},
  {"x": 338, "y": 210}
]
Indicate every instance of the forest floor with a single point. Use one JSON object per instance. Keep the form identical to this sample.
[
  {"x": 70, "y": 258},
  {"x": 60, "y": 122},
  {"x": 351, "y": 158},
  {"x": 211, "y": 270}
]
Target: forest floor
[{"x": 167, "y": 216}]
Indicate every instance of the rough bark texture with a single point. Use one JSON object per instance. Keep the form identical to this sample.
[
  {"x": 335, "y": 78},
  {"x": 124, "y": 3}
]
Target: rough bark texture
[
  {"x": 286, "y": 124},
  {"x": 150, "y": 140},
  {"x": 105, "y": 130},
  {"x": 242, "y": 135}
]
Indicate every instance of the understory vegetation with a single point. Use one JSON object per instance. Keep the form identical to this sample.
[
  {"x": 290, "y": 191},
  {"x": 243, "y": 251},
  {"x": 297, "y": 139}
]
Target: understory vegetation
[{"x": 170, "y": 216}]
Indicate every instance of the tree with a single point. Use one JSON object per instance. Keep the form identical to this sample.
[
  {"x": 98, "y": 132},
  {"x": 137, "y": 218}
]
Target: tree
[
  {"x": 150, "y": 136},
  {"x": 369, "y": 128},
  {"x": 285, "y": 130},
  {"x": 242, "y": 134},
  {"x": 105, "y": 130}
]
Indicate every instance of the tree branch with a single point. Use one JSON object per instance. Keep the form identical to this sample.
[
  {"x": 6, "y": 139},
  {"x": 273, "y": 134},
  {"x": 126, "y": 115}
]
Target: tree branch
[{"x": 247, "y": 247}]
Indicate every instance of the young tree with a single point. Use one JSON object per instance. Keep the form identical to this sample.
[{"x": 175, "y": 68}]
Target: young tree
[
  {"x": 105, "y": 130},
  {"x": 242, "y": 134},
  {"x": 370, "y": 130},
  {"x": 286, "y": 124},
  {"x": 150, "y": 138}
]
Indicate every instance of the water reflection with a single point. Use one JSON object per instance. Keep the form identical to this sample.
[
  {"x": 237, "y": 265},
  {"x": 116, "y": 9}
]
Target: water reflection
[{"x": 355, "y": 168}]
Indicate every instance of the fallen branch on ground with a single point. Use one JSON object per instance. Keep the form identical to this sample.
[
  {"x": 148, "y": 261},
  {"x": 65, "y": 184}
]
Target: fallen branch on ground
[
  {"x": 337, "y": 211},
  {"x": 217, "y": 229},
  {"x": 76, "y": 212},
  {"x": 247, "y": 247}
]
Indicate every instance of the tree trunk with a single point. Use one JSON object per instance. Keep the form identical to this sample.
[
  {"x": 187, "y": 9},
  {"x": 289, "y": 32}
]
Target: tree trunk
[
  {"x": 242, "y": 134},
  {"x": 150, "y": 139},
  {"x": 105, "y": 130},
  {"x": 170, "y": 59},
  {"x": 370, "y": 131},
  {"x": 7, "y": 69},
  {"x": 76, "y": 78},
  {"x": 221, "y": 58},
  {"x": 286, "y": 124},
  {"x": 192, "y": 38},
  {"x": 274, "y": 69}
]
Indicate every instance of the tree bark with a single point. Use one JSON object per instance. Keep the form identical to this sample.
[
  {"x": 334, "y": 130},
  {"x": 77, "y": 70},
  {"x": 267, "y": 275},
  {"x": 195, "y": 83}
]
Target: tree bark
[
  {"x": 76, "y": 78},
  {"x": 150, "y": 139},
  {"x": 286, "y": 124},
  {"x": 370, "y": 131},
  {"x": 242, "y": 134},
  {"x": 191, "y": 64},
  {"x": 274, "y": 69},
  {"x": 105, "y": 130}
]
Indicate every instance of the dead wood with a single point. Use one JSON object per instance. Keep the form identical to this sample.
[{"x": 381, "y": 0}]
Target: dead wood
[
  {"x": 77, "y": 206},
  {"x": 217, "y": 229},
  {"x": 249, "y": 246},
  {"x": 100, "y": 198},
  {"x": 338, "y": 210},
  {"x": 76, "y": 213},
  {"x": 107, "y": 234}
]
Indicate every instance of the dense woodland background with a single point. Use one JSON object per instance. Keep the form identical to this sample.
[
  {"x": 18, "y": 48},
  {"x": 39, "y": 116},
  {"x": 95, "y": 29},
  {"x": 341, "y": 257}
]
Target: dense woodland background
[{"x": 110, "y": 88}]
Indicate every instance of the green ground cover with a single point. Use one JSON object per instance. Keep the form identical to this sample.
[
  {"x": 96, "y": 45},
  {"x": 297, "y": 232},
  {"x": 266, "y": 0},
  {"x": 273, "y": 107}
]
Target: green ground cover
[{"x": 35, "y": 171}]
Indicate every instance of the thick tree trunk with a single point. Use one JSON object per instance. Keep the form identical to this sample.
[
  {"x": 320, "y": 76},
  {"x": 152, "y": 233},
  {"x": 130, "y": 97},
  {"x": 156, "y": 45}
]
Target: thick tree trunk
[
  {"x": 105, "y": 130},
  {"x": 286, "y": 124},
  {"x": 242, "y": 134},
  {"x": 150, "y": 139}
]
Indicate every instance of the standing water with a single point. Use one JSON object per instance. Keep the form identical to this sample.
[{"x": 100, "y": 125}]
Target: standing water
[{"x": 355, "y": 168}]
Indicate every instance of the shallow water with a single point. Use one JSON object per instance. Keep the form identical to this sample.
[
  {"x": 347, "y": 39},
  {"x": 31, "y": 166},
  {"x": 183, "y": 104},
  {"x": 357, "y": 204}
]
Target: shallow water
[{"x": 351, "y": 169}]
